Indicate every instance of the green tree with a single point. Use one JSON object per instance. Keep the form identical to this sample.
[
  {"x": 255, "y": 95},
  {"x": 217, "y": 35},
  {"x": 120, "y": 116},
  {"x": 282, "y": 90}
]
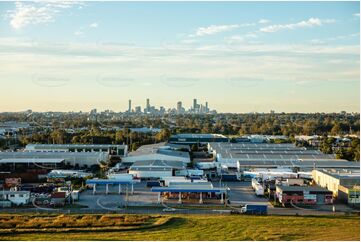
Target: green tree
[
  {"x": 163, "y": 135},
  {"x": 336, "y": 129}
]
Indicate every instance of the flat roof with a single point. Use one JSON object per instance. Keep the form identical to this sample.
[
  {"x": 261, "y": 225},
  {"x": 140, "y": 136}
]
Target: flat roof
[
  {"x": 161, "y": 148},
  {"x": 52, "y": 155},
  {"x": 253, "y": 145},
  {"x": 198, "y": 136},
  {"x": 146, "y": 149},
  {"x": 350, "y": 174},
  {"x": 13, "y": 192},
  {"x": 266, "y": 152},
  {"x": 155, "y": 156},
  {"x": 108, "y": 181},
  {"x": 67, "y": 146},
  {"x": 30, "y": 160},
  {"x": 303, "y": 188},
  {"x": 158, "y": 163},
  {"x": 178, "y": 153},
  {"x": 195, "y": 188},
  {"x": 150, "y": 168},
  {"x": 333, "y": 163},
  {"x": 166, "y": 189}
]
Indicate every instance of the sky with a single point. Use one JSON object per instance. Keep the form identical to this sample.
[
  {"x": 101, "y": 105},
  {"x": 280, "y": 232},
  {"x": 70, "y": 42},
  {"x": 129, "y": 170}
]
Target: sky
[{"x": 238, "y": 56}]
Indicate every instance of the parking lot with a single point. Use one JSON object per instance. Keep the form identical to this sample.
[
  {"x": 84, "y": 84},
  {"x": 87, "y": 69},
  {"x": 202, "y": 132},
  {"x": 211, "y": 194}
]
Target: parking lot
[
  {"x": 240, "y": 193},
  {"x": 145, "y": 201}
]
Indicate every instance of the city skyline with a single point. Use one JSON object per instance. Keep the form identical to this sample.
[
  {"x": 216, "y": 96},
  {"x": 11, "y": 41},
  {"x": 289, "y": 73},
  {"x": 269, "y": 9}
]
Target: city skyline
[
  {"x": 196, "y": 108},
  {"x": 239, "y": 56}
]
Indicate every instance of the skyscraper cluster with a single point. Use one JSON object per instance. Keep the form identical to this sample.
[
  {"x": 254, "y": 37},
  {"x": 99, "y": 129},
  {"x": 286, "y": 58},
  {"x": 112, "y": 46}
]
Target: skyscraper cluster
[
  {"x": 199, "y": 108},
  {"x": 195, "y": 108}
]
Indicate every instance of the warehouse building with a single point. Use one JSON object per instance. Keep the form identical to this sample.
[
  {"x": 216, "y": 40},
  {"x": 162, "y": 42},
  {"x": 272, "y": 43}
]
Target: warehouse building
[
  {"x": 128, "y": 161},
  {"x": 344, "y": 184},
  {"x": 190, "y": 139},
  {"x": 145, "y": 169},
  {"x": 298, "y": 165},
  {"x": 230, "y": 153},
  {"x": 76, "y": 159},
  {"x": 303, "y": 195},
  {"x": 23, "y": 164},
  {"x": 160, "y": 151},
  {"x": 171, "y": 180},
  {"x": 120, "y": 150},
  {"x": 243, "y": 156}
]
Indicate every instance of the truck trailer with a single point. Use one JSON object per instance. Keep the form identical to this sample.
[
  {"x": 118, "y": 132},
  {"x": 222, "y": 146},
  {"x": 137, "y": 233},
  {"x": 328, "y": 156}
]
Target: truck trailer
[{"x": 254, "y": 209}]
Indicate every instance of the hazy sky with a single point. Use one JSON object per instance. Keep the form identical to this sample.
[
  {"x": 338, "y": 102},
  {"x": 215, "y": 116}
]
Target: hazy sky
[{"x": 238, "y": 56}]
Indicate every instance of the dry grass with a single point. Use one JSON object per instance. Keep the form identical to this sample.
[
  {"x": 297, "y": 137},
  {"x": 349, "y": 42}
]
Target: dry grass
[
  {"x": 178, "y": 227},
  {"x": 72, "y": 221}
]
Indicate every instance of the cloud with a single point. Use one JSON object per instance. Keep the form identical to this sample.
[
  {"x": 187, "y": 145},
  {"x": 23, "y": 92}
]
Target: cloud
[
  {"x": 94, "y": 25},
  {"x": 214, "y": 29},
  {"x": 311, "y": 22},
  {"x": 26, "y": 13},
  {"x": 251, "y": 35},
  {"x": 263, "y": 21},
  {"x": 317, "y": 42},
  {"x": 357, "y": 15},
  {"x": 335, "y": 38},
  {"x": 78, "y": 33}
]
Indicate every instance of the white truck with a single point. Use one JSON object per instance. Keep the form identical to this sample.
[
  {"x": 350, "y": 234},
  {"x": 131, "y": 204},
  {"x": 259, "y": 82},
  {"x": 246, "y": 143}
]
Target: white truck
[{"x": 259, "y": 190}]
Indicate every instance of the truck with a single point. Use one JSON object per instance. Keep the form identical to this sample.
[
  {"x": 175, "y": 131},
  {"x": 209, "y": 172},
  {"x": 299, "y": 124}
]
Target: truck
[
  {"x": 259, "y": 190},
  {"x": 255, "y": 183},
  {"x": 254, "y": 209}
]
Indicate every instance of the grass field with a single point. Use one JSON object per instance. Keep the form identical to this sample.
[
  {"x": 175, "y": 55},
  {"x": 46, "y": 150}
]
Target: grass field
[{"x": 177, "y": 227}]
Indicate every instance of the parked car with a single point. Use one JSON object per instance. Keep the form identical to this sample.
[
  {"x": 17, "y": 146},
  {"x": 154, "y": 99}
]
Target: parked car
[{"x": 169, "y": 210}]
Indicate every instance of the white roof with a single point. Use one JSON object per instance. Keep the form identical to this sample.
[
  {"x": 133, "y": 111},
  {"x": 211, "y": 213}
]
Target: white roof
[
  {"x": 30, "y": 160},
  {"x": 13, "y": 192},
  {"x": 70, "y": 146},
  {"x": 132, "y": 159}
]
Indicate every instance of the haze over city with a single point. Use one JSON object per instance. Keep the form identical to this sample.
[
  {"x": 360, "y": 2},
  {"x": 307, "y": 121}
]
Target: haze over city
[{"x": 238, "y": 56}]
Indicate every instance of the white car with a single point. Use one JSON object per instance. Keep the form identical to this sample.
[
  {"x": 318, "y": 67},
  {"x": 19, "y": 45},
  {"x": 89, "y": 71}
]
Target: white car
[{"x": 169, "y": 210}]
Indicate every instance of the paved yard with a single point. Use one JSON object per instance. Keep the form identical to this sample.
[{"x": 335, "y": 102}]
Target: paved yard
[{"x": 242, "y": 193}]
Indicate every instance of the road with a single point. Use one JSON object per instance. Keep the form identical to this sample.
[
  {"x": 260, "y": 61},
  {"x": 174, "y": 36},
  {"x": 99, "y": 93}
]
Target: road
[{"x": 143, "y": 201}]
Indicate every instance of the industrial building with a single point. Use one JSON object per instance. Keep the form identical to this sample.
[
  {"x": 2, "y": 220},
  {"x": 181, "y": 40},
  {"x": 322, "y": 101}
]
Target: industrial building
[
  {"x": 155, "y": 168},
  {"x": 344, "y": 184},
  {"x": 74, "y": 159},
  {"x": 189, "y": 139},
  {"x": 244, "y": 156},
  {"x": 160, "y": 151},
  {"x": 305, "y": 195},
  {"x": 120, "y": 150},
  {"x": 301, "y": 165},
  {"x": 14, "y": 197},
  {"x": 22, "y": 164},
  {"x": 68, "y": 174}
]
